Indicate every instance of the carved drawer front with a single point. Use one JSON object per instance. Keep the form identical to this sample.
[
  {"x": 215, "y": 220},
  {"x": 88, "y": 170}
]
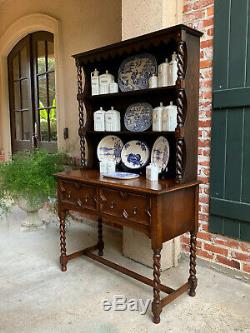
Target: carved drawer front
[
  {"x": 125, "y": 205},
  {"x": 79, "y": 195}
]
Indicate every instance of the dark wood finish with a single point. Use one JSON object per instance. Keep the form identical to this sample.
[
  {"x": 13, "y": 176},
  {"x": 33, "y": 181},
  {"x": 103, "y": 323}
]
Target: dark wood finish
[
  {"x": 161, "y": 210},
  {"x": 100, "y": 238},
  {"x": 192, "y": 271}
]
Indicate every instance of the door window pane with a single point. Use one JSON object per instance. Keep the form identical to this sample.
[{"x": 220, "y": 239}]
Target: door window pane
[
  {"x": 44, "y": 133},
  {"x": 41, "y": 63},
  {"x": 25, "y": 94},
  {"x": 52, "y": 89},
  {"x": 42, "y": 91},
  {"x": 24, "y": 62},
  {"x": 53, "y": 127},
  {"x": 18, "y": 121},
  {"x": 26, "y": 125},
  {"x": 17, "y": 95},
  {"x": 15, "y": 67},
  {"x": 51, "y": 57}
]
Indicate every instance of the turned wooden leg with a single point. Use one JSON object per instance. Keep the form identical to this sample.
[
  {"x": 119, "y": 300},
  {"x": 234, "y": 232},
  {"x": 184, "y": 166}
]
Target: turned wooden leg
[
  {"x": 156, "y": 304},
  {"x": 100, "y": 238},
  {"x": 192, "y": 271},
  {"x": 63, "y": 257}
]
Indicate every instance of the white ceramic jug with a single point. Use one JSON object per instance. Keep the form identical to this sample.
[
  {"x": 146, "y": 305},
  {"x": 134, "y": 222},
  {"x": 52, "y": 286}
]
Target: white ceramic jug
[
  {"x": 173, "y": 69},
  {"x": 171, "y": 111},
  {"x": 99, "y": 120},
  {"x": 157, "y": 118},
  {"x": 95, "y": 82},
  {"x": 112, "y": 120},
  {"x": 163, "y": 73}
]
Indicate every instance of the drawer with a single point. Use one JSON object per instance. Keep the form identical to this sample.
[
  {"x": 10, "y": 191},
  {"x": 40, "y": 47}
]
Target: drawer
[
  {"x": 125, "y": 205},
  {"x": 78, "y": 195}
]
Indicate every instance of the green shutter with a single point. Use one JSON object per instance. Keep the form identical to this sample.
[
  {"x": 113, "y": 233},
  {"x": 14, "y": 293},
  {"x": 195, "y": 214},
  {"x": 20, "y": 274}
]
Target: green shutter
[{"x": 230, "y": 150}]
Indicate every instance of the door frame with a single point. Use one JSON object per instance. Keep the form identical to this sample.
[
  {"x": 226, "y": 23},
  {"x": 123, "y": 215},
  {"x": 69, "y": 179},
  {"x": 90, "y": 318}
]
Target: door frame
[{"x": 17, "y": 31}]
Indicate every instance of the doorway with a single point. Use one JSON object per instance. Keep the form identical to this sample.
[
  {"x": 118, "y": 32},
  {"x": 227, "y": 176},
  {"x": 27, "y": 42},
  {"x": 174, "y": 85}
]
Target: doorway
[{"x": 31, "y": 73}]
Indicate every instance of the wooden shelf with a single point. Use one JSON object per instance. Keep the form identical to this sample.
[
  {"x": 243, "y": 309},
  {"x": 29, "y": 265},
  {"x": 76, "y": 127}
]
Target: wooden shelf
[
  {"x": 151, "y": 133},
  {"x": 137, "y": 93}
]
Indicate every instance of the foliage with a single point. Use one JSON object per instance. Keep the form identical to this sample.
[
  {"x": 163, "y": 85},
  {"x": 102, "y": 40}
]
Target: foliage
[{"x": 29, "y": 176}]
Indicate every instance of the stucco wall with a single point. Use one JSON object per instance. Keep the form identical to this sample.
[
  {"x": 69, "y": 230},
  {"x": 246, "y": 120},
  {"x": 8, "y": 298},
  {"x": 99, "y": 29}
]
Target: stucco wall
[
  {"x": 143, "y": 16},
  {"x": 84, "y": 24}
]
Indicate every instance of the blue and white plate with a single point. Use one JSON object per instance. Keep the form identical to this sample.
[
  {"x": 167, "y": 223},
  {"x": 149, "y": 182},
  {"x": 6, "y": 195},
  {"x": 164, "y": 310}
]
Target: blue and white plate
[
  {"x": 135, "y": 154},
  {"x": 160, "y": 153},
  {"x": 138, "y": 117},
  {"x": 109, "y": 149},
  {"x": 121, "y": 175},
  {"x": 135, "y": 71}
]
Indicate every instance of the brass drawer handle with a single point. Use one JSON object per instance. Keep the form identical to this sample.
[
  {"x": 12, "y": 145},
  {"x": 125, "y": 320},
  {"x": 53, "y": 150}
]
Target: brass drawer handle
[
  {"x": 125, "y": 213},
  {"x": 148, "y": 211},
  {"x": 86, "y": 199},
  {"x": 79, "y": 202},
  {"x": 112, "y": 205},
  {"x": 135, "y": 210}
]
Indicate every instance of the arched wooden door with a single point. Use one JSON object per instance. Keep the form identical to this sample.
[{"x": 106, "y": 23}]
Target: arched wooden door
[{"x": 31, "y": 66}]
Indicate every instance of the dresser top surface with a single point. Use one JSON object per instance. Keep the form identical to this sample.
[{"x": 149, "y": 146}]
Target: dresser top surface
[{"x": 93, "y": 177}]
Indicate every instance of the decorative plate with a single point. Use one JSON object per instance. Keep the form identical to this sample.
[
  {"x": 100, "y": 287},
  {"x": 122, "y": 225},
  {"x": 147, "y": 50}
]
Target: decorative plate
[
  {"x": 135, "y": 71},
  {"x": 138, "y": 117},
  {"x": 135, "y": 154},
  {"x": 109, "y": 148},
  {"x": 121, "y": 175},
  {"x": 160, "y": 153}
]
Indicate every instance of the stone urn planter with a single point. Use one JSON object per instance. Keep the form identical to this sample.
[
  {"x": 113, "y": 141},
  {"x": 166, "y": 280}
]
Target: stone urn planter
[{"x": 31, "y": 208}]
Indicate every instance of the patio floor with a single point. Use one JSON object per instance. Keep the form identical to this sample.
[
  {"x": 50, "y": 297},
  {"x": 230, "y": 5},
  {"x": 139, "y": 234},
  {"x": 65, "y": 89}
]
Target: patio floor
[{"x": 35, "y": 296}]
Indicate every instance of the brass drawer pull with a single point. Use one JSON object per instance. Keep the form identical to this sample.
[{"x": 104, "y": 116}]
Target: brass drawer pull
[
  {"x": 79, "y": 202},
  {"x": 112, "y": 205},
  {"x": 135, "y": 210},
  {"x": 125, "y": 213}
]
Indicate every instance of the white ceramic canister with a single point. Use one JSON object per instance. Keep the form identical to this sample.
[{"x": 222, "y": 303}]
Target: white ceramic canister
[
  {"x": 171, "y": 110},
  {"x": 99, "y": 120},
  {"x": 163, "y": 73},
  {"x": 103, "y": 167},
  {"x": 105, "y": 80},
  {"x": 153, "y": 81},
  {"x": 95, "y": 89},
  {"x": 110, "y": 167},
  {"x": 173, "y": 69},
  {"x": 113, "y": 87},
  {"x": 157, "y": 118},
  {"x": 112, "y": 120},
  {"x": 164, "y": 120},
  {"x": 152, "y": 172}
]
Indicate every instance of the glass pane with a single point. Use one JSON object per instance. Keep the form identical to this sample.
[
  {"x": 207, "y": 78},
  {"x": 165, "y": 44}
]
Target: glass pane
[
  {"x": 52, "y": 101},
  {"x": 53, "y": 129},
  {"x": 51, "y": 57},
  {"x": 17, "y": 95},
  {"x": 41, "y": 57},
  {"x": 26, "y": 125},
  {"x": 25, "y": 94},
  {"x": 42, "y": 91},
  {"x": 18, "y": 120},
  {"x": 16, "y": 67},
  {"x": 24, "y": 62},
  {"x": 44, "y": 125}
]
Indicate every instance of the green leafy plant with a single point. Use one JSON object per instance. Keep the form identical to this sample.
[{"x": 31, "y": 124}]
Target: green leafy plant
[{"x": 29, "y": 176}]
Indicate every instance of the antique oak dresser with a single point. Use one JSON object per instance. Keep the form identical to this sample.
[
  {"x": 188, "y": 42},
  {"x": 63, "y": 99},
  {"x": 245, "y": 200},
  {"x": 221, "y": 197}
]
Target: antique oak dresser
[{"x": 163, "y": 209}]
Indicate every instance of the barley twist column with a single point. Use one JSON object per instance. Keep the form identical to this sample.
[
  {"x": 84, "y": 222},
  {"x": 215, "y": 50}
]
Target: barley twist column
[
  {"x": 192, "y": 271},
  {"x": 156, "y": 305}
]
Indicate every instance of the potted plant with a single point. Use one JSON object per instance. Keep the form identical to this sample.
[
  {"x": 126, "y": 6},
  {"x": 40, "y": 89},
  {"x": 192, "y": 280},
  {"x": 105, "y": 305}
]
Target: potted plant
[{"x": 28, "y": 181}]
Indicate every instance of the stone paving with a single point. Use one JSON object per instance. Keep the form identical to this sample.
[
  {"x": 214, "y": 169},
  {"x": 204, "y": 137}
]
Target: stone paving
[{"x": 36, "y": 297}]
